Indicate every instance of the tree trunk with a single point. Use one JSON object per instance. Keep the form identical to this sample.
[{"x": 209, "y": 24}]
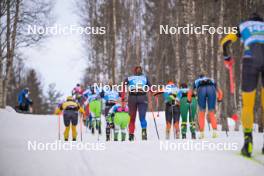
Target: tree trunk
[{"x": 114, "y": 42}]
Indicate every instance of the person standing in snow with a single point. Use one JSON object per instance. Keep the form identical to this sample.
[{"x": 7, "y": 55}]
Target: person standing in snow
[
  {"x": 88, "y": 118},
  {"x": 70, "y": 110},
  {"x": 251, "y": 33},
  {"x": 110, "y": 96},
  {"x": 95, "y": 107},
  {"x": 24, "y": 102},
  {"x": 172, "y": 109},
  {"x": 207, "y": 93},
  {"x": 119, "y": 118},
  {"x": 77, "y": 93},
  {"x": 187, "y": 108},
  {"x": 137, "y": 100}
]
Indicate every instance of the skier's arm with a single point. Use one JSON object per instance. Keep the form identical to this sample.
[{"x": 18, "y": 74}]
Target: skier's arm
[
  {"x": 190, "y": 93},
  {"x": 219, "y": 95},
  {"x": 124, "y": 84},
  {"x": 226, "y": 41},
  {"x": 81, "y": 110},
  {"x": 59, "y": 109}
]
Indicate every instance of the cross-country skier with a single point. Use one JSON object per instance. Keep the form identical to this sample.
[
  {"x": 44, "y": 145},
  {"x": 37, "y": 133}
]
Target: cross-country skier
[
  {"x": 137, "y": 100},
  {"x": 172, "y": 109},
  {"x": 251, "y": 33},
  {"x": 110, "y": 96},
  {"x": 187, "y": 108},
  {"x": 207, "y": 93},
  {"x": 95, "y": 107},
  {"x": 119, "y": 118},
  {"x": 88, "y": 118},
  {"x": 77, "y": 93},
  {"x": 70, "y": 110},
  {"x": 24, "y": 101}
]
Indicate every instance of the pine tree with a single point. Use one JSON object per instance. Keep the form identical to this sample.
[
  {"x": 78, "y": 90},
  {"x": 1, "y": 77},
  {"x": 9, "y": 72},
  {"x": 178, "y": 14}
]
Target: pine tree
[{"x": 53, "y": 97}]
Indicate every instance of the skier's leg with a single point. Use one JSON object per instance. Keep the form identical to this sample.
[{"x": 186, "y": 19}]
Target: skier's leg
[
  {"x": 142, "y": 110},
  {"x": 98, "y": 112},
  {"x": 107, "y": 129},
  {"x": 117, "y": 122},
  {"x": 66, "y": 120},
  {"x": 92, "y": 116},
  {"x": 250, "y": 75},
  {"x": 211, "y": 94},
  {"x": 192, "y": 117},
  {"x": 168, "y": 117},
  {"x": 132, "y": 105},
  {"x": 184, "y": 106},
  {"x": 201, "y": 93},
  {"x": 74, "y": 121},
  {"x": 124, "y": 123},
  {"x": 176, "y": 118}
]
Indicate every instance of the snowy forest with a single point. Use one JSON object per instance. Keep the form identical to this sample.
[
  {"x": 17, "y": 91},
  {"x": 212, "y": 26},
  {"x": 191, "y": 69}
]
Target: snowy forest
[
  {"x": 133, "y": 38},
  {"x": 15, "y": 16}
]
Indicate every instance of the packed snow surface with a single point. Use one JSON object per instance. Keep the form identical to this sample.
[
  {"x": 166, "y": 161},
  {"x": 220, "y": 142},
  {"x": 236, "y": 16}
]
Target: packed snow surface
[{"x": 20, "y": 133}]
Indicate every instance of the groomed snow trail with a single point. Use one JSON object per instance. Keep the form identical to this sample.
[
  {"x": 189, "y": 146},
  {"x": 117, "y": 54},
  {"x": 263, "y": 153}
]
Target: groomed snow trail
[{"x": 117, "y": 158}]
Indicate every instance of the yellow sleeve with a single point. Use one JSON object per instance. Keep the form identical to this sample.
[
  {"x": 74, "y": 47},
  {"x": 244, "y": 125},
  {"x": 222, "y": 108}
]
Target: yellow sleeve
[
  {"x": 81, "y": 110},
  {"x": 57, "y": 111},
  {"x": 229, "y": 37}
]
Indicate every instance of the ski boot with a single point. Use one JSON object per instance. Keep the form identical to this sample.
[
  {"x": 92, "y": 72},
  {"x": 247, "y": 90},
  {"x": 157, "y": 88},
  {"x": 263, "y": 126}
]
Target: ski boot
[
  {"x": 201, "y": 135},
  {"x": 131, "y": 137},
  {"x": 167, "y": 134},
  {"x": 92, "y": 128},
  {"x": 65, "y": 139},
  {"x": 193, "y": 135},
  {"x": 123, "y": 136},
  {"x": 177, "y": 135},
  {"x": 248, "y": 145},
  {"x": 144, "y": 134},
  {"x": 263, "y": 150},
  {"x": 73, "y": 139},
  {"x": 183, "y": 136},
  {"x": 214, "y": 135}
]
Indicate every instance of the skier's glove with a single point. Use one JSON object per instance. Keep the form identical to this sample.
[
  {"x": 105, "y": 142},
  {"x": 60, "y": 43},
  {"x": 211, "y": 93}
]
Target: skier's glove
[
  {"x": 111, "y": 125},
  {"x": 220, "y": 95},
  {"x": 228, "y": 61}
]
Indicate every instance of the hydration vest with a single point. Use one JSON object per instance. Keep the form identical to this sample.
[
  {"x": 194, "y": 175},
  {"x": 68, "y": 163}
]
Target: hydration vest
[
  {"x": 204, "y": 81},
  {"x": 137, "y": 81},
  {"x": 251, "y": 32},
  {"x": 111, "y": 95}
]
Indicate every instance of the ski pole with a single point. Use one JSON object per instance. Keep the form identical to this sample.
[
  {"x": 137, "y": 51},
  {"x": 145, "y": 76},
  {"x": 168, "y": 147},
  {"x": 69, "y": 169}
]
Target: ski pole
[
  {"x": 231, "y": 78},
  {"x": 81, "y": 125},
  {"x": 208, "y": 121},
  {"x": 154, "y": 118},
  {"x": 59, "y": 127},
  {"x": 232, "y": 88}
]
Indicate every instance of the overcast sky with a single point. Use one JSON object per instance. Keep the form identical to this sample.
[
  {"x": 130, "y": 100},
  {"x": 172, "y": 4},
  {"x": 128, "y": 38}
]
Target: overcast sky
[{"x": 60, "y": 59}]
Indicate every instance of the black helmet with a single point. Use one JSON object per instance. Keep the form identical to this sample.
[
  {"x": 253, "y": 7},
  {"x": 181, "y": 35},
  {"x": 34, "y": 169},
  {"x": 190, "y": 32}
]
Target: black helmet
[
  {"x": 255, "y": 17},
  {"x": 78, "y": 85}
]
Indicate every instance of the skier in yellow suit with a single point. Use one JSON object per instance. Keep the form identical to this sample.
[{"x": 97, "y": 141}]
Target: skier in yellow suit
[
  {"x": 70, "y": 111},
  {"x": 251, "y": 33}
]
